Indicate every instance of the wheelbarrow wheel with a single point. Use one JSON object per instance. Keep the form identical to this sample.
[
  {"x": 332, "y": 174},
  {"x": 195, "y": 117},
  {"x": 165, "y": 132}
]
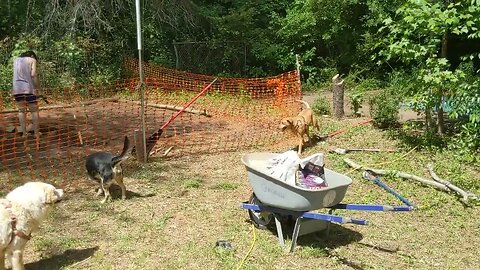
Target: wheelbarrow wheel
[{"x": 260, "y": 219}]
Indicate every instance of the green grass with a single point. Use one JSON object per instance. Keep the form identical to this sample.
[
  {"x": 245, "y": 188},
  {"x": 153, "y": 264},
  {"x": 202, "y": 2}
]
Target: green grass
[
  {"x": 187, "y": 210},
  {"x": 192, "y": 183},
  {"x": 51, "y": 243},
  {"x": 226, "y": 186}
]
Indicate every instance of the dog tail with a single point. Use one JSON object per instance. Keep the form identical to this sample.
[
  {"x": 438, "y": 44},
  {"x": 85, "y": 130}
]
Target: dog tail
[
  {"x": 305, "y": 103},
  {"x": 124, "y": 155}
]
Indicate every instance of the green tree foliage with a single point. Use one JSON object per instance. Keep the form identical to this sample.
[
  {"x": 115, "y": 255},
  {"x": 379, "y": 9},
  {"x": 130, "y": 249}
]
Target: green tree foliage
[
  {"x": 84, "y": 41},
  {"x": 419, "y": 36}
]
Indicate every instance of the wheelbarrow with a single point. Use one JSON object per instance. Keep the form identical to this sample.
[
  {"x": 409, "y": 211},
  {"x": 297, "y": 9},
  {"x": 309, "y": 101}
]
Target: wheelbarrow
[{"x": 275, "y": 199}]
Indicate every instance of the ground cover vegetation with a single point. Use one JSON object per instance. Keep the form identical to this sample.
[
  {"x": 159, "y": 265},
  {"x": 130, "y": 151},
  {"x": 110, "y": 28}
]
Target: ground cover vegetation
[{"x": 416, "y": 54}]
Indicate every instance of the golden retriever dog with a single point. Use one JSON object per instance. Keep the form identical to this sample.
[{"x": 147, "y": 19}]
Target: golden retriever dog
[
  {"x": 300, "y": 124},
  {"x": 21, "y": 213}
]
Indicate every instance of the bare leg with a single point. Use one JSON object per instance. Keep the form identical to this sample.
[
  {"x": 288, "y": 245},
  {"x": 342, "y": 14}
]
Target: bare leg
[
  {"x": 33, "y": 108},
  {"x": 22, "y": 117}
]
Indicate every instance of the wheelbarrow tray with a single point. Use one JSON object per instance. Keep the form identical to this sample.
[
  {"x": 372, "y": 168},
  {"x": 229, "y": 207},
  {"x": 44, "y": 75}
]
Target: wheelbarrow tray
[{"x": 276, "y": 193}]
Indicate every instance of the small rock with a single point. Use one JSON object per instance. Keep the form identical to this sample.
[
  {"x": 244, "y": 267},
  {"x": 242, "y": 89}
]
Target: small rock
[{"x": 224, "y": 244}]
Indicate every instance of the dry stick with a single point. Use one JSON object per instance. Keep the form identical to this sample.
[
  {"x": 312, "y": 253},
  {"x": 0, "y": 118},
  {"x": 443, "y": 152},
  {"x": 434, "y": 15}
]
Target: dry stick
[
  {"x": 465, "y": 195},
  {"x": 396, "y": 173},
  {"x": 343, "y": 151},
  {"x": 175, "y": 108},
  {"x": 168, "y": 151}
]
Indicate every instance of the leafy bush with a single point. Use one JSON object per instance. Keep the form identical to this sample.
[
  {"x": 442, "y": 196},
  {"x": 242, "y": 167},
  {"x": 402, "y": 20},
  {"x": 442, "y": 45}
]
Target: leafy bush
[
  {"x": 384, "y": 109},
  {"x": 356, "y": 100},
  {"x": 321, "y": 106}
]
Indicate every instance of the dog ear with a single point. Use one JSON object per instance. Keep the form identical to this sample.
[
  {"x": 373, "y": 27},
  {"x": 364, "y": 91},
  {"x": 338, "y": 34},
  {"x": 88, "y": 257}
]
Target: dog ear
[{"x": 52, "y": 195}]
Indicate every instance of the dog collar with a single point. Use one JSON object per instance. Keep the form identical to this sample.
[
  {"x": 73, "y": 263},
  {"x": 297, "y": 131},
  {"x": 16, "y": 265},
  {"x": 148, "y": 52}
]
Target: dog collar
[{"x": 18, "y": 233}]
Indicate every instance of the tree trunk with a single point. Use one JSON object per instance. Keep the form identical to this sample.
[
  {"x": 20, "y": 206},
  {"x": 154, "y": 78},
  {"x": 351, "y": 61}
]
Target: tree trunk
[
  {"x": 338, "y": 94},
  {"x": 429, "y": 126},
  {"x": 440, "y": 121}
]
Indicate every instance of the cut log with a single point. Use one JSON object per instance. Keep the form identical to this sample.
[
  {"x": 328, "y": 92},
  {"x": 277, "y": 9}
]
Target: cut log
[
  {"x": 175, "y": 108},
  {"x": 338, "y": 96}
]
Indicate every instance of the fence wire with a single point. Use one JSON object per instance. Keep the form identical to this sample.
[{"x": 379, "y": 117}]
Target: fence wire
[{"x": 235, "y": 114}]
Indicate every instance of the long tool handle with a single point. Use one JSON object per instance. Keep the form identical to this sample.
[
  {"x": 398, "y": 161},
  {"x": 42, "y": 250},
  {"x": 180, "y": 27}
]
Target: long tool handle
[
  {"x": 372, "y": 207},
  {"x": 188, "y": 104},
  {"x": 369, "y": 176},
  {"x": 152, "y": 140}
]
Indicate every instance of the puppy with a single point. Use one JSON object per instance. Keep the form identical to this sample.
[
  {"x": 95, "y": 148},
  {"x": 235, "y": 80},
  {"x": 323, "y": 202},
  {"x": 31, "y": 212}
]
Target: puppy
[
  {"x": 106, "y": 169},
  {"x": 21, "y": 213},
  {"x": 299, "y": 125}
]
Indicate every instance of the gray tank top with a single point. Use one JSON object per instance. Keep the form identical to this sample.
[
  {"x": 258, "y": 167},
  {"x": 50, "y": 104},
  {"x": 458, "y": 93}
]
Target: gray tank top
[{"x": 22, "y": 76}]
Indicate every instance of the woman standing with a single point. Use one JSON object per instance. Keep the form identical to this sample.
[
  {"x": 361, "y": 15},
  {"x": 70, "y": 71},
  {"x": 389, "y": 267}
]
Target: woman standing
[{"x": 25, "y": 89}]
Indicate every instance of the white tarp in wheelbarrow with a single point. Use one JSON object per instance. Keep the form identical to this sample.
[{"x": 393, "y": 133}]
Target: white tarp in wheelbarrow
[{"x": 277, "y": 193}]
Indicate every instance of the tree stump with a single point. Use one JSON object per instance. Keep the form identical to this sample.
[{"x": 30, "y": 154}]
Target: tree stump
[{"x": 338, "y": 94}]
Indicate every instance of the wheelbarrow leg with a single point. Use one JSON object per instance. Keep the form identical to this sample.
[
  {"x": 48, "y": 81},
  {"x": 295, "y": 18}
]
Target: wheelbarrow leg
[
  {"x": 279, "y": 230},
  {"x": 296, "y": 231}
]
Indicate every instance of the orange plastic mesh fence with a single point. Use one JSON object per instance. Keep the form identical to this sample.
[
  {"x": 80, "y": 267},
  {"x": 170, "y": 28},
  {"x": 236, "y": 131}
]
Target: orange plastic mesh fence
[{"x": 234, "y": 114}]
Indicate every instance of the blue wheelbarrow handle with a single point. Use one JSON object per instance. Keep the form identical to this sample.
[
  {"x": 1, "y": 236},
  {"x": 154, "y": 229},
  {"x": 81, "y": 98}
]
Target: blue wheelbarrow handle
[
  {"x": 303, "y": 214},
  {"x": 369, "y": 176},
  {"x": 372, "y": 207}
]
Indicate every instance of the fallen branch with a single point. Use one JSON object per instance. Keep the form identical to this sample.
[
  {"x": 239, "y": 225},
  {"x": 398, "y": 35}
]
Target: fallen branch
[
  {"x": 465, "y": 195},
  {"x": 396, "y": 173},
  {"x": 174, "y": 108},
  {"x": 66, "y": 105},
  {"x": 168, "y": 151},
  {"x": 99, "y": 100},
  {"x": 343, "y": 151}
]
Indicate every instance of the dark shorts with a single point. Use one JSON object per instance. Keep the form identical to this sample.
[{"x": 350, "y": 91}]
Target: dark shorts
[{"x": 29, "y": 98}]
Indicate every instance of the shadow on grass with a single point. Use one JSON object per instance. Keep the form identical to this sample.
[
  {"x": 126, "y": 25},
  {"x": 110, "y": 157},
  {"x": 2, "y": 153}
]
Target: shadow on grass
[
  {"x": 421, "y": 139},
  {"x": 337, "y": 237},
  {"x": 116, "y": 193},
  {"x": 68, "y": 257},
  {"x": 322, "y": 241}
]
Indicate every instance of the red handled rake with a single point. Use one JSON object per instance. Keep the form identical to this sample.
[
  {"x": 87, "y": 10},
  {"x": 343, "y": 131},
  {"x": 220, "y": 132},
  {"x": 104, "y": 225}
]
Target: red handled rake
[{"x": 153, "y": 139}]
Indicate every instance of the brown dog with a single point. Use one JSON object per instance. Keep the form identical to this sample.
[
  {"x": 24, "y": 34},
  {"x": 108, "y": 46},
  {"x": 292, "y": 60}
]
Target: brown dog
[{"x": 299, "y": 125}]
